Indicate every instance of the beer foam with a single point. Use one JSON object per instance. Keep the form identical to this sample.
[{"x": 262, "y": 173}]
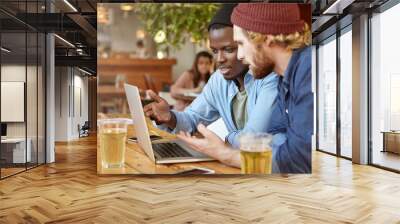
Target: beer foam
[{"x": 256, "y": 149}]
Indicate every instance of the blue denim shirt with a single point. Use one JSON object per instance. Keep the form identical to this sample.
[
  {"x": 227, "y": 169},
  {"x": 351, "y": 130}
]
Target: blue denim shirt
[
  {"x": 294, "y": 115},
  {"x": 216, "y": 101}
]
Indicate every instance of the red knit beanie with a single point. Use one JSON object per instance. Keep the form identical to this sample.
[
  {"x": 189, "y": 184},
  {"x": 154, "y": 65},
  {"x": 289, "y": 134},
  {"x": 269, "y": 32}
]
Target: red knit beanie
[{"x": 268, "y": 18}]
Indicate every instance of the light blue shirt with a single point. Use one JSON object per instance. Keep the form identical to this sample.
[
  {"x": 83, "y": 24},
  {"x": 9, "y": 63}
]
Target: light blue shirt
[{"x": 215, "y": 101}]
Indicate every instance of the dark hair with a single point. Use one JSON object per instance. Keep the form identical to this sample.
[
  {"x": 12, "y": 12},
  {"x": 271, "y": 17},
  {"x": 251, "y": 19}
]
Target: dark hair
[
  {"x": 195, "y": 71},
  {"x": 222, "y": 17},
  {"x": 139, "y": 43},
  {"x": 217, "y": 26}
]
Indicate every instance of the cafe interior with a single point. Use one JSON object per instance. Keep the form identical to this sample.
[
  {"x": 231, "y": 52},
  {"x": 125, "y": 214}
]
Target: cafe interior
[
  {"x": 49, "y": 151},
  {"x": 128, "y": 51}
]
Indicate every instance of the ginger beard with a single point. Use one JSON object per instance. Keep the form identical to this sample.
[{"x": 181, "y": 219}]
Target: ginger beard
[
  {"x": 260, "y": 65},
  {"x": 256, "y": 55}
]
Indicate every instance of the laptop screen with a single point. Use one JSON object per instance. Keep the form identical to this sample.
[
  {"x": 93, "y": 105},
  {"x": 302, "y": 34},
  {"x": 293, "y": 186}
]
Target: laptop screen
[{"x": 139, "y": 120}]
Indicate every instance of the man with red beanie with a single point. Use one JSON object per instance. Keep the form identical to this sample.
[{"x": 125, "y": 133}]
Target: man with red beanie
[{"x": 272, "y": 37}]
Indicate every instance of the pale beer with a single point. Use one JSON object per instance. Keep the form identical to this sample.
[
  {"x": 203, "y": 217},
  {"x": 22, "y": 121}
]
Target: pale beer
[
  {"x": 112, "y": 134},
  {"x": 112, "y": 144},
  {"x": 255, "y": 153},
  {"x": 256, "y": 162}
]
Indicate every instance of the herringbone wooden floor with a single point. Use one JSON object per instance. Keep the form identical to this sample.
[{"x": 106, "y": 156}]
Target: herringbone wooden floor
[{"x": 70, "y": 191}]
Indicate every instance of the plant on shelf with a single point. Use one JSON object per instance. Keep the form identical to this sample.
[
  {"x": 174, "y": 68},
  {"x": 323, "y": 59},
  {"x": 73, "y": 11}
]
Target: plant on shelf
[{"x": 172, "y": 24}]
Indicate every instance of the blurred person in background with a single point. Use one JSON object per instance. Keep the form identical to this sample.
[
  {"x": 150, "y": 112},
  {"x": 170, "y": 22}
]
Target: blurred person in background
[
  {"x": 141, "y": 49},
  {"x": 193, "y": 80}
]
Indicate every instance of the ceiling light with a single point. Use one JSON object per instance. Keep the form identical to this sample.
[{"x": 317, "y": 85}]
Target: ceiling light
[
  {"x": 103, "y": 16},
  {"x": 140, "y": 34},
  {"x": 64, "y": 40},
  {"x": 126, "y": 7},
  {"x": 5, "y": 50},
  {"x": 84, "y": 71},
  {"x": 337, "y": 7},
  {"x": 70, "y": 5}
]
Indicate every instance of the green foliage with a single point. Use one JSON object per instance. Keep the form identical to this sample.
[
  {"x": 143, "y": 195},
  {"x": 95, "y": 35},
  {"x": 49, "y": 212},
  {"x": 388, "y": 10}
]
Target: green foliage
[{"x": 180, "y": 21}]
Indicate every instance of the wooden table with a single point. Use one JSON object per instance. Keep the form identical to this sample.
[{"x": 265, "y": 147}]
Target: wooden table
[{"x": 137, "y": 162}]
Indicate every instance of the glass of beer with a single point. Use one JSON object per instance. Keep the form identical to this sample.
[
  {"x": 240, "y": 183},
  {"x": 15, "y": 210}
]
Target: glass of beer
[
  {"x": 255, "y": 153},
  {"x": 113, "y": 134}
]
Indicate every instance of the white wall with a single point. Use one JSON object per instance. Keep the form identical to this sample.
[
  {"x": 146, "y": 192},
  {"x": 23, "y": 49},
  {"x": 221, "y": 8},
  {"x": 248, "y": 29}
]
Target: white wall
[
  {"x": 67, "y": 115},
  {"x": 33, "y": 126},
  {"x": 79, "y": 117},
  {"x": 184, "y": 57},
  {"x": 61, "y": 104},
  {"x": 14, "y": 73},
  {"x": 82, "y": 82}
]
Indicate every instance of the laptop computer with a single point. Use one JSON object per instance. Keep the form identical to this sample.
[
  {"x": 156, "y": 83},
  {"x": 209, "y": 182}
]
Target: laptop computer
[{"x": 163, "y": 150}]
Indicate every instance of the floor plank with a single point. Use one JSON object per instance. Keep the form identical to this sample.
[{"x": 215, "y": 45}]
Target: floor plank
[{"x": 70, "y": 191}]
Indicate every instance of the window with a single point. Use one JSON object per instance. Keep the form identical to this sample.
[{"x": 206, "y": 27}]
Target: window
[
  {"x": 327, "y": 96},
  {"x": 385, "y": 88},
  {"x": 346, "y": 95}
]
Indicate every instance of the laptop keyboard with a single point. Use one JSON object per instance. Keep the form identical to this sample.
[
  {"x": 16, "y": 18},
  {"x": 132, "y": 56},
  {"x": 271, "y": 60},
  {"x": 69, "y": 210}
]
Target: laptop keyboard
[{"x": 169, "y": 150}]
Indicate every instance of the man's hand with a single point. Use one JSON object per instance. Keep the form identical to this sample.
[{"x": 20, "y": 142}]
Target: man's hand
[
  {"x": 212, "y": 146},
  {"x": 159, "y": 110}
]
